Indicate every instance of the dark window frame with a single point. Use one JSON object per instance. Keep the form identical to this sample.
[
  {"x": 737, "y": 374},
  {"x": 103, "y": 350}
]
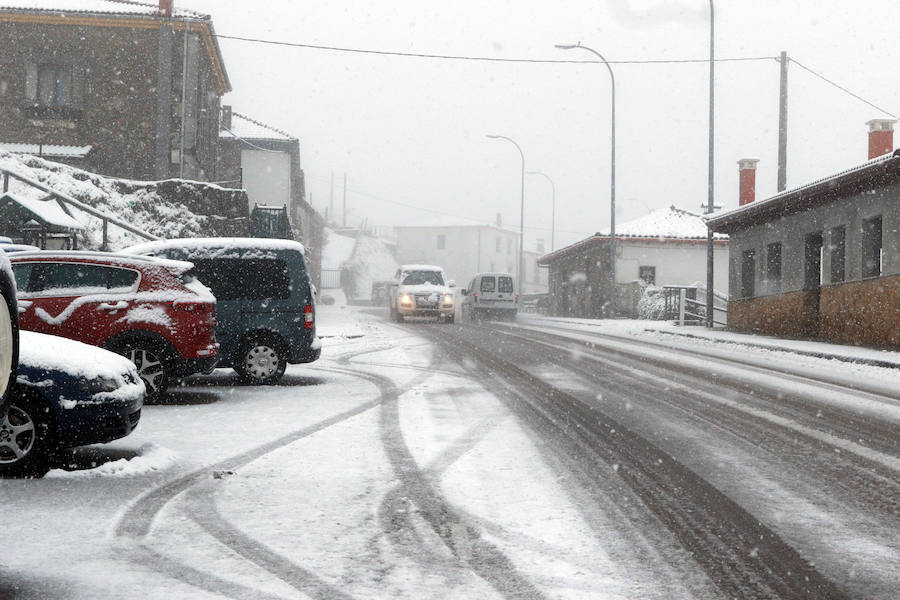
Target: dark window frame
[
  {"x": 491, "y": 288},
  {"x": 647, "y": 274},
  {"x": 241, "y": 279},
  {"x": 837, "y": 251},
  {"x": 871, "y": 241},
  {"x": 748, "y": 274},
  {"x": 774, "y": 266}
]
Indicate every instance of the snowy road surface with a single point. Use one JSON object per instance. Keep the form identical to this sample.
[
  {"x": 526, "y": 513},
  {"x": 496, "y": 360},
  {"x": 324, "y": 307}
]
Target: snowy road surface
[{"x": 535, "y": 460}]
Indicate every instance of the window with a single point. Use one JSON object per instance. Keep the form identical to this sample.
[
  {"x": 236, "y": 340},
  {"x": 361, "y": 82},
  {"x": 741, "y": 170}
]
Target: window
[
  {"x": 441, "y": 242},
  {"x": 52, "y": 85},
  {"x": 244, "y": 278},
  {"x": 499, "y": 245},
  {"x": 509, "y": 246},
  {"x": 505, "y": 285},
  {"x": 773, "y": 266},
  {"x": 422, "y": 277},
  {"x": 647, "y": 275},
  {"x": 836, "y": 250},
  {"x": 871, "y": 247},
  {"x": 748, "y": 273},
  {"x": 22, "y": 272},
  {"x": 75, "y": 279},
  {"x": 488, "y": 284},
  {"x": 4, "y": 86}
]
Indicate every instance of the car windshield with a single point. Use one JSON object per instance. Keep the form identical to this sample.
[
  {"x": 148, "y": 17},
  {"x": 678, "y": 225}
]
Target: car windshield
[
  {"x": 422, "y": 277},
  {"x": 450, "y": 300}
]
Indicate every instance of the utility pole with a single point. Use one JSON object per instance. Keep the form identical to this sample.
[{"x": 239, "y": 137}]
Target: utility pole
[
  {"x": 782, "y": 124},
  {"x": 331, "y": 197},
  {"x": 345, "y": 199},
  {"x": 710, "y": 202}
]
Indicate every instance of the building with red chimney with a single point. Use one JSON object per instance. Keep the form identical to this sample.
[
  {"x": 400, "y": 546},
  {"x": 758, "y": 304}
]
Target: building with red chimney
[
  {"x": 821, "y": 260},
  {"x": 125, "y": 89}
]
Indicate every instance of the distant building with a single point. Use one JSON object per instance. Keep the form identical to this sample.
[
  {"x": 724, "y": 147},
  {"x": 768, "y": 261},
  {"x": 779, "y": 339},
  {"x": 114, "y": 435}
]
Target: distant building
[
  {"x": 464, "y": 249},
  {"x": 265, "y": 161},
  {"x": 666, "y": 247},
  {"x": 124, "y": 89},
  {"x": 821, "y": 260}
]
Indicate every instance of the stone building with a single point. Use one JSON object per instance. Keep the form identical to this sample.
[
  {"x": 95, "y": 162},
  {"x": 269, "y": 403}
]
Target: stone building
[
  {"x": 124, "y": 89},
  {"x": 821, "y": 260}
]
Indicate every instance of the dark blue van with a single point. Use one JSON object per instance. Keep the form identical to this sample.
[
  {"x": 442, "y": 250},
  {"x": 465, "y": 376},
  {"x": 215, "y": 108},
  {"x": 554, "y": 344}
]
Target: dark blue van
[{"x": 265, "y": 308}]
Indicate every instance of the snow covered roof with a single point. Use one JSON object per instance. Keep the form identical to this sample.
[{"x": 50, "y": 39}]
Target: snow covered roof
[
  {"x": 454, "y": 223},
  {"x": 874, "y": 173},
  {"x": 243, "y": 127},
  {"x": 49, "y": 212},
  {"x": 670, "y": 224},
  {"x": 665, "y": 223},
  {"x": 100, "y": 7},
  {"x": 47, "y": 150}
]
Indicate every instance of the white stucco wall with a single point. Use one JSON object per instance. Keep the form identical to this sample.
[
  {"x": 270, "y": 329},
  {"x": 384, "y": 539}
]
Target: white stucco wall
[
  {"x": 676, "y": 262},
  {"x": 266, "y": 177}
]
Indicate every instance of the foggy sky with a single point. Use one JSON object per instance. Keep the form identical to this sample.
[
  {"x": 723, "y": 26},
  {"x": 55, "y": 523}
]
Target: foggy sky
[{"x": 412, "y": 131}]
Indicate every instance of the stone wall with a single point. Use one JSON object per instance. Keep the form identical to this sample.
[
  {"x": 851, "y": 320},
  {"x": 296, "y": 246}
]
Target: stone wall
[{"x": 862, "y": 312}]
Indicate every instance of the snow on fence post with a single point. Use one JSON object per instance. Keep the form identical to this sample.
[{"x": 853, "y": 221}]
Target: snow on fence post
[{"x": 682, "y": 297}]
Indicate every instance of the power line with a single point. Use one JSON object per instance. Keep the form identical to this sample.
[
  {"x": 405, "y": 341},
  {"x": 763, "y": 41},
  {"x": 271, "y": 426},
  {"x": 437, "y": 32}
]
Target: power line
[
  {"x": 484, "y": 58},
  {"x": 842, "y": 88}
]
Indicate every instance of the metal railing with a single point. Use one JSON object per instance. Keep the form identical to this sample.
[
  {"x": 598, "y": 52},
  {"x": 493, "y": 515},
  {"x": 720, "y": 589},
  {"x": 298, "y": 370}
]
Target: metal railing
[
  {"x": 64, "y": 199},
  {"x": 683, "y": 307}
]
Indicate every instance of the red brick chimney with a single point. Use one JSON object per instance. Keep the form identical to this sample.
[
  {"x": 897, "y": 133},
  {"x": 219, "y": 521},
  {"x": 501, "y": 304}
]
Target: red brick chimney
[
  {"x": 881, "y": 137},
  {"x": 165, "y": 8},
  {"x": 747, "y": 170}
]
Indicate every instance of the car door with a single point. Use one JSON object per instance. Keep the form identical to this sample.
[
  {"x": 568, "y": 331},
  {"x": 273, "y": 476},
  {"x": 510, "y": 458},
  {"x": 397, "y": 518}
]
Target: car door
[{"x": 74, "y": 300}]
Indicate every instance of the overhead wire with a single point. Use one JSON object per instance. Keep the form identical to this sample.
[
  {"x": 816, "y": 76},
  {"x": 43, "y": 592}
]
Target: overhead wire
[{"x": 842, "y": 88}]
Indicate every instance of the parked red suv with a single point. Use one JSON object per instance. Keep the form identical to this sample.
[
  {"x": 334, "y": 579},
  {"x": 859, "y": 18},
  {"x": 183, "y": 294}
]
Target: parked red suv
[{"x": 147, "y": 309}]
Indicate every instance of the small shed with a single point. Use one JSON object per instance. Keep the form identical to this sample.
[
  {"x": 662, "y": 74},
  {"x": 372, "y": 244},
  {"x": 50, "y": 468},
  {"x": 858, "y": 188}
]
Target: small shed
[{"x": 46, "y": 223}]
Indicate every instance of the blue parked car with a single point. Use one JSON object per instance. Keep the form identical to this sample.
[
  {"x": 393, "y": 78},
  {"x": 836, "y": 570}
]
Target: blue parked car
[
  {"x": 265, "y": 307},
  {"x": 66, "y": 394}
]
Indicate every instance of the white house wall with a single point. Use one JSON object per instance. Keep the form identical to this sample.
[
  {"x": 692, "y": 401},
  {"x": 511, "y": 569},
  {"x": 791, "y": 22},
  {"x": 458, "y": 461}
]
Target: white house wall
[
  {"x": 266, "y": 177},
  {"x": 676, "y": 262},
  {"x": 466, "y": 251}
]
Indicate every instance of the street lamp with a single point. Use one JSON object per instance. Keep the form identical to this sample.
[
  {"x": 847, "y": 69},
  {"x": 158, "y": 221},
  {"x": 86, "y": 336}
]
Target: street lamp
[
  {"x": 612, "y": 176},
  {"x": 521, "y": 282},
  {"x": 553, "y": 209}
]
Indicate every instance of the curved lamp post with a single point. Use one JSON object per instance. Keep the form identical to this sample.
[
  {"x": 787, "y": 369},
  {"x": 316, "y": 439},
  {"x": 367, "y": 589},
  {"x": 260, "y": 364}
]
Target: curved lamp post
[
  {"x": 553, "y": 208},
  {"x": 520, "y": 267},
  {"x": 612, "y": 177}
]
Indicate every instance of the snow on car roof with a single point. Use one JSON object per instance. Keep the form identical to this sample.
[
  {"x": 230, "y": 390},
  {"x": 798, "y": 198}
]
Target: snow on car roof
[
  {"x": 116, "y": 7},
  {"x": 421, "y": 268},
  {"x": 118, "y": 258},
  {"x": 41, "y": 351},
  {"x": 217, "y": 243}
]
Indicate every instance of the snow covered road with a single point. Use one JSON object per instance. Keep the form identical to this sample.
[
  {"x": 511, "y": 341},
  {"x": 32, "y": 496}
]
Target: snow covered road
[{"x": 428, "y": 461}]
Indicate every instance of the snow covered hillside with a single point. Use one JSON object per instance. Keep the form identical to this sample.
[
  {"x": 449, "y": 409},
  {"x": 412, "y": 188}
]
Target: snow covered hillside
[{"x": 169, "y": 209}]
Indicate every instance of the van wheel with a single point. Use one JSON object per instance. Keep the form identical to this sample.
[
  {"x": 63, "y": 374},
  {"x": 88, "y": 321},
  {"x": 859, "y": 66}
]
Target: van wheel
[
  {"x": 23, "y": 440},
  {"x": 149, "y": 360},
  {"x": 260, "y": 361}
]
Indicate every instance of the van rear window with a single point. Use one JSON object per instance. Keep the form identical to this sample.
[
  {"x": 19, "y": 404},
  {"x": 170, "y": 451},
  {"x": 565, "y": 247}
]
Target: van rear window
[
  {"x": 506, "y": 285},
  {"x": 244, "y": 278},
  {"x": 488, "y": 284}
]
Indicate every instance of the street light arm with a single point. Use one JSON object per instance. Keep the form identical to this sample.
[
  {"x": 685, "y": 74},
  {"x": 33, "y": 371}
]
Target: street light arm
[{"x": 511, "y": 141}]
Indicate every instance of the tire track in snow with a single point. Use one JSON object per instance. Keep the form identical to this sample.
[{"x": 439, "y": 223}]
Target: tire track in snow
[
  {"x": 715, "y": 529},
  {"x": 137, "y": 519}
]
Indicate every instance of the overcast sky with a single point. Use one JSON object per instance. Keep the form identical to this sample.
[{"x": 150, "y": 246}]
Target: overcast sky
[{"x": 410, "y": 131}]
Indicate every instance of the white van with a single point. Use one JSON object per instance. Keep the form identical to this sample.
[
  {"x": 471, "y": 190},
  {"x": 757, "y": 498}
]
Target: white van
[{"x": 491, "y": 295}]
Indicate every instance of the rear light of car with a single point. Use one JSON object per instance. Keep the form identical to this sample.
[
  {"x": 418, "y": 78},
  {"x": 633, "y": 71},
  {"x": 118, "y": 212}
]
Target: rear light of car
[
  {"x": 476, "y": 297},
  {"x": 308, "y": 316}
]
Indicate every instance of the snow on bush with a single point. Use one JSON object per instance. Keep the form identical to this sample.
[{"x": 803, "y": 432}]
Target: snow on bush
[
  {"x": 652, "y": 305},
  {"x": 371, "y": 261}
]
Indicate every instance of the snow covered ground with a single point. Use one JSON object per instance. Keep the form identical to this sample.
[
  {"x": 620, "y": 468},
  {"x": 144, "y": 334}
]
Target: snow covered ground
[{"x": 381, "y": 471}]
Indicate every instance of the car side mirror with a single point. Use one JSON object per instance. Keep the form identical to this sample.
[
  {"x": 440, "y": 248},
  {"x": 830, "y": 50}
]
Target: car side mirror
[
  {"x": 451, "y": 283},
  {"x": 464, "y": 292}
]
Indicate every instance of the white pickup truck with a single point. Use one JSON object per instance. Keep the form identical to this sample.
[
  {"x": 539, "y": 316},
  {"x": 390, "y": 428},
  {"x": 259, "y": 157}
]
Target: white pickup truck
[{"x": 421, "y": 291}]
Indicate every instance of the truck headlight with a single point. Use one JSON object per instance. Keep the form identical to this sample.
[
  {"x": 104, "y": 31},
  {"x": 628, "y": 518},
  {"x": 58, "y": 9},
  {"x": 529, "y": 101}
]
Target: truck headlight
[
  {"x": 448, "y": 299},
  {"x": 406, "y": 300}
]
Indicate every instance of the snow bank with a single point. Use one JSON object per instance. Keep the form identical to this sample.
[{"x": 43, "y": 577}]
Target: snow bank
[
  {"x": 150, "y": 458},
  {"x": 371, "y": 261},
  {"x": 337, "y": 249}
]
